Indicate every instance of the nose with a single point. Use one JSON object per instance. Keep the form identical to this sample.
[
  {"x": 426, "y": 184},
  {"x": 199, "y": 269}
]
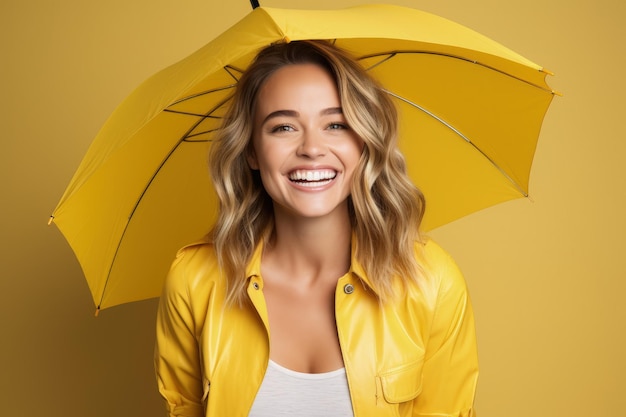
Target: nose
[{"x": 312, "y": 144}]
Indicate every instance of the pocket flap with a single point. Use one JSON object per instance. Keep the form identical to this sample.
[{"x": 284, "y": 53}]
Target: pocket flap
[{"x": 403, "y": 383}]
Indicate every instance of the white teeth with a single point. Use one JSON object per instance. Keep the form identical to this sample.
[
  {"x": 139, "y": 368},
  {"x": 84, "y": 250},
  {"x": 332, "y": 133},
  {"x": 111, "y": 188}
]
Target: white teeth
[{"x": 313, "y": 176}]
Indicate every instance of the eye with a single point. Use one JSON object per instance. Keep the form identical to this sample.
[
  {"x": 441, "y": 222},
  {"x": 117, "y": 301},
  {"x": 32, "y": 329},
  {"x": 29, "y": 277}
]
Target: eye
[
  {"x": 282, "y": 128},
  {"x": 337, "y": 126}
]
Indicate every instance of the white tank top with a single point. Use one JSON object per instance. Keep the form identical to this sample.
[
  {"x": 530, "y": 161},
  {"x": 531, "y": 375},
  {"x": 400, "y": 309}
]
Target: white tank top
[{"x": 284, "y": 392}]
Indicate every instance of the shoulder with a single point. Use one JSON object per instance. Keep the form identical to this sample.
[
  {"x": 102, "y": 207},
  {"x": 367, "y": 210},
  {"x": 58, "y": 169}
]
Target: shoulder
[
  {"x": 194, "y": 266},
  {"x": 433, "y": 256},
  {"x": 439, "y": 268},
  {"x": 201, "y": 249}
]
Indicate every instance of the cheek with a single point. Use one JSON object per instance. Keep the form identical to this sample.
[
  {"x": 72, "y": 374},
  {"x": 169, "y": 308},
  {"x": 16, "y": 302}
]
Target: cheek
[
  {"x": 260, "y": 153},
  {"x": 355, "y": 152},
  {"x": 270, "y": 158}
]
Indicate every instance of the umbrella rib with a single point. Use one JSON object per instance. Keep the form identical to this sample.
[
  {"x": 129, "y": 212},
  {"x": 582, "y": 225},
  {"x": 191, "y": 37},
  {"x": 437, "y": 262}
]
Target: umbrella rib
[
  {"x": 228, "y": 69},
  {"x": 391, "y": 54},
  {"x": 186, "y": 113},
  {"x": 204, "y": 132},
  {"x": 387, "y": 58},
  {"x": 188, "y": 134},
  {"x": 203, "y": 93},
  {"x": 465, "y": 138}
]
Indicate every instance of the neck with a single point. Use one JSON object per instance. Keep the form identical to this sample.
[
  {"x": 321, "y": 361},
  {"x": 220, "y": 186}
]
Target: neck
[{"x": 311, "y": 249}]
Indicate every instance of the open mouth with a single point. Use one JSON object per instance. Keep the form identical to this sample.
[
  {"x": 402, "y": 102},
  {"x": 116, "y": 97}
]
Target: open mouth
[{"x": 312, "y": 178}]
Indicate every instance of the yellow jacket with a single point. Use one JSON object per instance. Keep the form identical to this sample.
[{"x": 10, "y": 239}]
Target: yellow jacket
[{"x": 414, "y": 356}]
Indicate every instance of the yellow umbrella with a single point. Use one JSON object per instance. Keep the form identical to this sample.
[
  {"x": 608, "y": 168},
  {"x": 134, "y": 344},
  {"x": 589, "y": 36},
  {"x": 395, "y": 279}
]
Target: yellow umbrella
[{"x": 471, "y": 111}]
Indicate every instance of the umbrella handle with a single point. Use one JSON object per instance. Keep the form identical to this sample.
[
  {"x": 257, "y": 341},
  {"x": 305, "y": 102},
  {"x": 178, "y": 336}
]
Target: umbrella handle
[{"x": 254, "y": 3}]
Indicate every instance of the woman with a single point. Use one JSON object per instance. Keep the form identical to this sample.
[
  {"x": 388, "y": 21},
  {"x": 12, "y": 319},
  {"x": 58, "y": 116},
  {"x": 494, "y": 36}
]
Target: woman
[{"x": 314, "y": 295}]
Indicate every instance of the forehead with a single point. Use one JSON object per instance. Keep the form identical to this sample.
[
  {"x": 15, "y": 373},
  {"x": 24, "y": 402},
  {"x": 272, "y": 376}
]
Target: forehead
[{"x": 298, "y": 83}]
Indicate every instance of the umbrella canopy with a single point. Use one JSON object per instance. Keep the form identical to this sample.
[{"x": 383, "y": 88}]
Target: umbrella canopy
[{"x": 471, "y": 111}]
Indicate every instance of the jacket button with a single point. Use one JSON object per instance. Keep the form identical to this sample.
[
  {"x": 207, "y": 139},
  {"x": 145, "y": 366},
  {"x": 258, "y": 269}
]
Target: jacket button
[
  {"x": 348, "y": 288},
  {"x": 255, "y": 285}
]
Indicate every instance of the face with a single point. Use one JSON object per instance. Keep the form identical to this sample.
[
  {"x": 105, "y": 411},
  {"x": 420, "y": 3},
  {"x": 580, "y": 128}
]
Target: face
[{"x": 302, "y": 146}]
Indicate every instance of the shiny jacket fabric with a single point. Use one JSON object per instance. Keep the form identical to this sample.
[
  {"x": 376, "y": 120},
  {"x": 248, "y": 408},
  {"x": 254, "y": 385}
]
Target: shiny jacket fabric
[{"x": 413, "y": 356}]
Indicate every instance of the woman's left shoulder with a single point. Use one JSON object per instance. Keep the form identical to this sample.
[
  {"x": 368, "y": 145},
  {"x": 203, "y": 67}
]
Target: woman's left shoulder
[{"x": 437, "y": 265}]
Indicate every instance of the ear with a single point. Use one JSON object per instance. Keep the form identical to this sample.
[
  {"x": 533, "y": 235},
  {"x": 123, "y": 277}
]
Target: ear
[{"x": 253, "y": 163}]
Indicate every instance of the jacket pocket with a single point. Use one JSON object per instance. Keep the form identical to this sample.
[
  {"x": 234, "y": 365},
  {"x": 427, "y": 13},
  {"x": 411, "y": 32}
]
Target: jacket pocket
[{"x": 403, "y": 383}]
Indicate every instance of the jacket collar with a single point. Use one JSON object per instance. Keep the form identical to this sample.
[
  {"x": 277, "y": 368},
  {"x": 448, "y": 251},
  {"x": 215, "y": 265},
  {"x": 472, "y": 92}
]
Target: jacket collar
[
  {"x": 357, "y": 269},
  {"x": 254, "y": 266}
]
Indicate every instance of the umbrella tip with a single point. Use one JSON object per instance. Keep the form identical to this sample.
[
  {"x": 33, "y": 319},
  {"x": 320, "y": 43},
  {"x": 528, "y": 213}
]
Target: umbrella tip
[
  {"x": 50, "y": 220},
  {"x": 97, "y": 311},
  {"x": 254, "y": 3},
  {"x": 548, "y": 72}
]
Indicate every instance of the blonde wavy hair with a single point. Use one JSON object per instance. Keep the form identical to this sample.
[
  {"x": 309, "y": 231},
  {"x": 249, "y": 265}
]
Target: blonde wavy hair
[{"x": 385, "y": 207}]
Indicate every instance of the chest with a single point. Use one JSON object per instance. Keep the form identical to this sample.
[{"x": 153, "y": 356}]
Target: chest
[
  {"x": 302, "y": 328},
  {"x": 288, "y": 393},
  {"x": 383, "y": 350}
]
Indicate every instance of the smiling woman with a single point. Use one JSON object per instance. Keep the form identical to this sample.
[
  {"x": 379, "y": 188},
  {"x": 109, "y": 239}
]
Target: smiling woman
[{"x": 315, "y": 274}]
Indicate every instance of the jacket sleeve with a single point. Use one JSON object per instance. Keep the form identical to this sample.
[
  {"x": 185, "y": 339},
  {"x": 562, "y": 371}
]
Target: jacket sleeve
[
  {"x": 176, "y": 357},
  {"x": 450, "y": 369}
]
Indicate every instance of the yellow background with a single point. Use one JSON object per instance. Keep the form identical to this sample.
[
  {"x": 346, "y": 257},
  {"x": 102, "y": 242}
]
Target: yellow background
[{"x": 547, "y": 277}]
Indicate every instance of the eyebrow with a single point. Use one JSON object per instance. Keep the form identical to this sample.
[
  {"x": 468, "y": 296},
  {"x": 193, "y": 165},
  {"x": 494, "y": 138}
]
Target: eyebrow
[{"x": 293, "y": 113}]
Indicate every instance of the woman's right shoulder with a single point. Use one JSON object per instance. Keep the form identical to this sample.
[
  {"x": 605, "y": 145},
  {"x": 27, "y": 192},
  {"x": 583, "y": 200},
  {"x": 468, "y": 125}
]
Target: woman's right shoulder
[
  {"x": 203, "y": 248},
  {"x": 195, "y": 266},
  {"x": 193, "y": 284}
]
